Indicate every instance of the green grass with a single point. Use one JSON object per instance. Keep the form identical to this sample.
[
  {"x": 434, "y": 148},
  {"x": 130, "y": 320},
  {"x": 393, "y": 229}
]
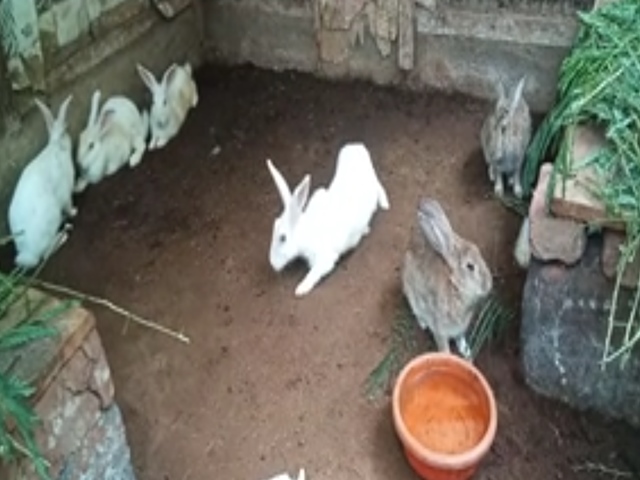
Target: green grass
[{"x": 599, "y": 83}]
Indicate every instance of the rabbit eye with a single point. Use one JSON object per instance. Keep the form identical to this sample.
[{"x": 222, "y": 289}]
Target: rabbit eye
[
  {"x": 471, "y": 267},
  {"x": 282, "y": 238}
]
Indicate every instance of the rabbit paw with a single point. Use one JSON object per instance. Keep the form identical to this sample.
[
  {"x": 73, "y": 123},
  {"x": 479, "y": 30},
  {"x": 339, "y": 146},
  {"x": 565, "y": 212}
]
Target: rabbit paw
[
  {"x": 80, "y": 185},
  {"x": 303, "y": 288},
  {"x": 463, "y": 347},
  {"x": 136, "y": 157},
  {"x": 498, "y": 188},
  {"x": 317, "y": 272},
  {"x": 517, "y": 189},
  {"x": 71, "y": 211}
]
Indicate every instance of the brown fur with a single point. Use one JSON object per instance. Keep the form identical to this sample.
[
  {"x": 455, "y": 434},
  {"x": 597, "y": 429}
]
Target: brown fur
[
  {"x": 443, "y": 280},
  {"x": 505, "y": 136}
]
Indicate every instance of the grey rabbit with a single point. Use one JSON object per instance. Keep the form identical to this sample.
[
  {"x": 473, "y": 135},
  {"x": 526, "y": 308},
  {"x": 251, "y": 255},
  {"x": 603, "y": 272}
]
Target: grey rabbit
[
  {"x": 444, "y": 277},
  {"x": 505, "y": 136}
]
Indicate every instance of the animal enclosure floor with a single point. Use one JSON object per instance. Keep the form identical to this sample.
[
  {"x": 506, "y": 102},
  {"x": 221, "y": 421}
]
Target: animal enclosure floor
[{"x": 270, "y": 382}]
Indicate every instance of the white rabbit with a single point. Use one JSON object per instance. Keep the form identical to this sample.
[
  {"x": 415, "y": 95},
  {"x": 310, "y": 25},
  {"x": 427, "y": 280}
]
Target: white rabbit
[
  {"x": 172, "y": 99},
  {"x": 286, "y": 476},
  {"x": 334, "y": 221},
  {"x": 115, "y": 134},
  {"x": 43, "y": 195}
]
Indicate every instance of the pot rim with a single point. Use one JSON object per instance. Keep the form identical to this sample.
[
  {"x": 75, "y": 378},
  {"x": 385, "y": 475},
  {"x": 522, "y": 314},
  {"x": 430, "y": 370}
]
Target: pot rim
[{"x": 445, "y": 460}]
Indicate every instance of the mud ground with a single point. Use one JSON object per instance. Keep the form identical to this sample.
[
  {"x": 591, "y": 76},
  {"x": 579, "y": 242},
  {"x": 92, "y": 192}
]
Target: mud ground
[{"x": 270, "y": 382}]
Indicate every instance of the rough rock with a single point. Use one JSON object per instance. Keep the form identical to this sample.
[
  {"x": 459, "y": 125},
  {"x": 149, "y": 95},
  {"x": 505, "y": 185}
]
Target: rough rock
[
  {"x": 552, "y": 238},
  {"x": 564, "y": 322},
  {"x": 557, "y": 239},
  {"x": 610, "y": 256}
]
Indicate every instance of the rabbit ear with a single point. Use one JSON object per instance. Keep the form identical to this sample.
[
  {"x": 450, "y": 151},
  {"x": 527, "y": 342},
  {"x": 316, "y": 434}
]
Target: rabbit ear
[
  {"x": 517, "y": 95},
  {"x": 187, "y": 68},
  {"x": 301, "y": 192},
  {"x": 147, "y": 77},
  {"x": 46, "y": 114},
  {"x": 281, "y": 184},
  {"x": 61, "y": 121},
  {"x": 436, "y": 228},
  {"x": 105, "y": 121},
  {"x": 95, "y": 103},
  {"x": 301, "y": 474},
  {"x": 169, "y": 74}
]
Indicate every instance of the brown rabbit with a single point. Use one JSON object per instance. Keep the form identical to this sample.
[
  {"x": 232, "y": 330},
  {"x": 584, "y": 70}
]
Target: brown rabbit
[
  {"x": 505, "y": 136},
  {"x": 443, "y": 278}
]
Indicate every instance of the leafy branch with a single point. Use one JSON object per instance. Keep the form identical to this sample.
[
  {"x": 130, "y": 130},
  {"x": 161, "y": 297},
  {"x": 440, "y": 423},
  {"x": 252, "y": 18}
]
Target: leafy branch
[{"x": 598, "y": 83}]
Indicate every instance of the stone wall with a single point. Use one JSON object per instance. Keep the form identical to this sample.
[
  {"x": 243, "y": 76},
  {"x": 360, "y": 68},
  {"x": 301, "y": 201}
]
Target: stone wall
[
  {"x": 412, "y": 43},
  {"x": 82, "y": 434},
  {"x": 81, "y": 45}
]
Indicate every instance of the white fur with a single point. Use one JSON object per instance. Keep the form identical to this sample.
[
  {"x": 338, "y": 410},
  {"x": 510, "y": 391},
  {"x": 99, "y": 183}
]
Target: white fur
[
  {"x": 334, "y": 221},
  {"x": 286, "y": 476},
  {"x": 172, "y": 98},
  {"x": 112, "y": 138},
  {"x": 43, "y": 195}
]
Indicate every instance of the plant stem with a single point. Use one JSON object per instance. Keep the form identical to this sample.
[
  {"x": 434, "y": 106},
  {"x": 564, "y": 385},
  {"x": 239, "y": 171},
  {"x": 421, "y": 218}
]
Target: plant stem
[{"x": 114, "y": 308}]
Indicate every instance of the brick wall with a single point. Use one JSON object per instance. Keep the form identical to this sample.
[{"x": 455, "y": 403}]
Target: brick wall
[{"x": 82, "y": 434}]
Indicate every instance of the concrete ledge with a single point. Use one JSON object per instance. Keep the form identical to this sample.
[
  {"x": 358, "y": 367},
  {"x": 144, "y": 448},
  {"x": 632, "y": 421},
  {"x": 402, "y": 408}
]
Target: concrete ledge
[
  {"x": 517, "y": 28},
  {"x": 456, "y": 50}
]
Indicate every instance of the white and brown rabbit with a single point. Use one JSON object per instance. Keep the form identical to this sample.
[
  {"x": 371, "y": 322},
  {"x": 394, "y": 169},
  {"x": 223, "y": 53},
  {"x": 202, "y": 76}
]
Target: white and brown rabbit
[
  {"x": 115, "y": 135},
  {"x": 172, "y": 98},
  {"x": 505, "y": 136},
  {"x": 43, "y": 197},
  {"x": 334, "y": 220},
  {"x": 444, "y": 277}
]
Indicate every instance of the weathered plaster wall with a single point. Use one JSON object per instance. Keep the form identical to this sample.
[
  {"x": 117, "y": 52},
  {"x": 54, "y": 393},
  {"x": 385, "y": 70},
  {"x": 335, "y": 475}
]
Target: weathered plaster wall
[
  {"x": 80, "y": 45},
  {"x": 457, "y": 45},
  {"x": 96, "y": 50}
]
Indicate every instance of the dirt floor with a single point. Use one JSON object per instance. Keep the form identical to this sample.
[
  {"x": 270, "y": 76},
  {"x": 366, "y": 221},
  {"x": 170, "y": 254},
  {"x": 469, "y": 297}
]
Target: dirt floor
[{"x": 270, "y": 382}]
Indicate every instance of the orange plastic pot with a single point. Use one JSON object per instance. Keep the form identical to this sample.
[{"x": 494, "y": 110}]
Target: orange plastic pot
[{"x": 444, "y": 413}]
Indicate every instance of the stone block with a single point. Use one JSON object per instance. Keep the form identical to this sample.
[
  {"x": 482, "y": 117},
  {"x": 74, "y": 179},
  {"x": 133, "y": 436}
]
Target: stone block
[
  {"x": 611, "y": 255},
  {"x": 553, "y": 238},
  {"x": 563, "y": 332},
  {"x": 574, "y": 195},
  {"x": 81, "y": 435},
  {"x": 557, "y": 239}
]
